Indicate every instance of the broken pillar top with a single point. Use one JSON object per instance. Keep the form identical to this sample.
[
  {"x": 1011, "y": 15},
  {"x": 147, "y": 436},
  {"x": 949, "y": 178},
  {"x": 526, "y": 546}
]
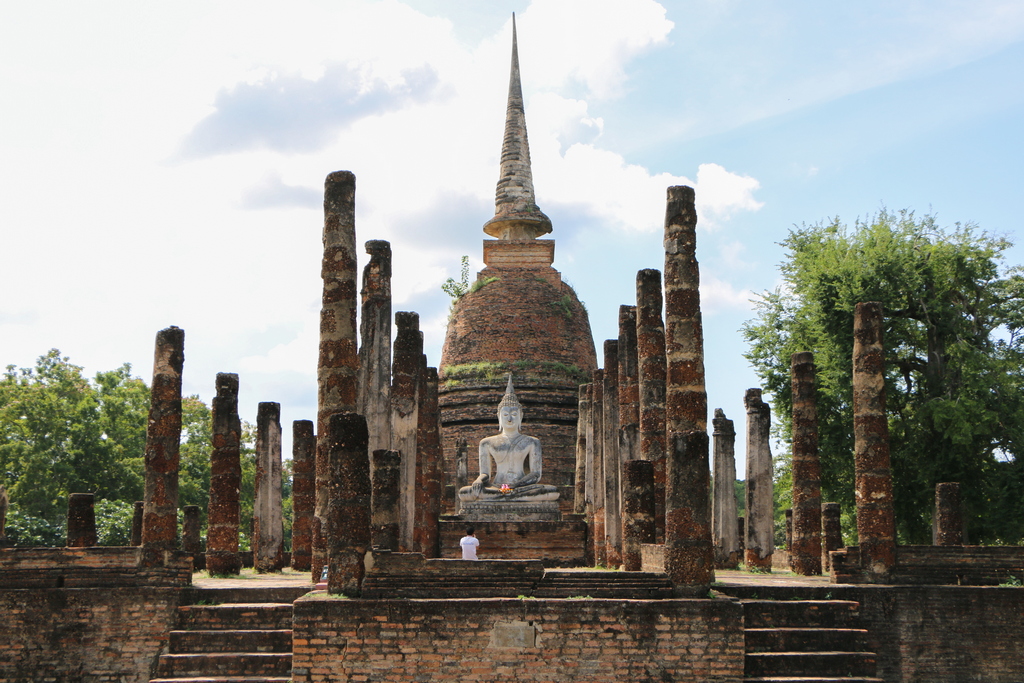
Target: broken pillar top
[{"x": 516, "y": 214}]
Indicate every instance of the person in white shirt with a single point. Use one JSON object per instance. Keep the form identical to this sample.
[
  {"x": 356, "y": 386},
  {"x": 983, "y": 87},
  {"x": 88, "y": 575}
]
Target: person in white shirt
[{"x": 469, "y": 545}]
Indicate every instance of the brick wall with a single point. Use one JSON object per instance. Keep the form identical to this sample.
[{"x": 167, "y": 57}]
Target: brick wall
[
  {"x": 94, "y": 567},
  {"x": 517, "y": 640},
  {"x": 964, "y": 565},
  {"x": 557, "y": 544},
  {"x": 951, "y": 634},
  {"x": 84, "y": 634}
]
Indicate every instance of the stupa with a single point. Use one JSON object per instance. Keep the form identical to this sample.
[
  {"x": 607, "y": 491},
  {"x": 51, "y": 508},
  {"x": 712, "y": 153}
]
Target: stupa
[{"x": 518, "y": 318}]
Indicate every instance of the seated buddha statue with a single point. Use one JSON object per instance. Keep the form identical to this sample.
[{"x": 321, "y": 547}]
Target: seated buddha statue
[{"x": 512, "y": 452}]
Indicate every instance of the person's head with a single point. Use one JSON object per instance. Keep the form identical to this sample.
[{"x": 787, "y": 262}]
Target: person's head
[{"x": 470, "y": 531}]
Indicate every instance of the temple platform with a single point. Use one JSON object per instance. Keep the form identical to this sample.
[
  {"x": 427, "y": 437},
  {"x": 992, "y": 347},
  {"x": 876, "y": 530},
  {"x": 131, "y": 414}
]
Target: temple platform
[{"x": 556, "y": 544}]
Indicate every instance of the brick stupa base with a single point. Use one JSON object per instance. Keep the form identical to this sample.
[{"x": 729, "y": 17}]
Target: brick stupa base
[{"x": 556, "y": 544}]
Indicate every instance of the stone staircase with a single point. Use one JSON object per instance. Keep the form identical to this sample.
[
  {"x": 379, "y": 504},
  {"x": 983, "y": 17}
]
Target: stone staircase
[
  {"x": 613, "y": 585},
  {"x": 806, "y": 641},
  {"x": 235, "y": 642}
]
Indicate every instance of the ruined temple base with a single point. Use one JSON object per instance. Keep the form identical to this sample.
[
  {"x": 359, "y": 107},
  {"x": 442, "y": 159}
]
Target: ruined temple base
[
  {"x": 511, "y": 511},
  {"x": 556, "y": 544}
]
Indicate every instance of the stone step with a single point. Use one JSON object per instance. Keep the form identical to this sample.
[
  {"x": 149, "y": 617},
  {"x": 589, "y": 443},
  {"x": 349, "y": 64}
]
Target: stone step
[
  {"x": 224, "y": 679},
  {"x": 834, "y": 664},
  {"x": 225, "y": 664},
  {"x": 240, "y": 640},
  {"x": 234, "y": 616},
  {"x": 800, "y": 613},
  {"x": 806, "y": 639},
  {"x": 812, "y": 679},
  {"x": 256, "y": 594}
]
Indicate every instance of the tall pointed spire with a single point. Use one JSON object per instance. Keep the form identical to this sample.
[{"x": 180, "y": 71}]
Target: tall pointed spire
[{"x": 516, "y": 215}]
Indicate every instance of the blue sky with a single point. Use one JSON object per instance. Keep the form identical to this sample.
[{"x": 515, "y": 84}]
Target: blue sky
[{"x": 162, "y": 163}]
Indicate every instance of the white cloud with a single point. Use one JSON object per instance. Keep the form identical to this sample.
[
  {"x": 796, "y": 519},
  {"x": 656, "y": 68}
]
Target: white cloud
[{"x": 718, "y": 296}]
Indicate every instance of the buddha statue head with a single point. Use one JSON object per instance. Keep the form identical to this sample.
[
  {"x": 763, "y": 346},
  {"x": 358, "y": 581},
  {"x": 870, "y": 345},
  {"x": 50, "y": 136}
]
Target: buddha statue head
[{"x": 510, "y": 411}]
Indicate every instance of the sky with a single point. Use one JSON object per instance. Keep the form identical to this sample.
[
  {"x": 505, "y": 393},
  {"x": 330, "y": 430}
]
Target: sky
[{"x": 163, "y": 163}]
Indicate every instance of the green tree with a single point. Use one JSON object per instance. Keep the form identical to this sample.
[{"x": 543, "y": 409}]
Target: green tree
[
  {"x": 60, "y": 434},
  {"x": 954, "y": 314}
]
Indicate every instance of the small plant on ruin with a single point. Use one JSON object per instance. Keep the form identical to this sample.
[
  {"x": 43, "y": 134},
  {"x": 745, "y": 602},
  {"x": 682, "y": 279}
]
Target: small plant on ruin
[
  {"x": 1012, "y": 582},
  {"x": 579, "y": 597},
  {"x": 481, "y": 283},
  {"x": 457, "y": 289}
]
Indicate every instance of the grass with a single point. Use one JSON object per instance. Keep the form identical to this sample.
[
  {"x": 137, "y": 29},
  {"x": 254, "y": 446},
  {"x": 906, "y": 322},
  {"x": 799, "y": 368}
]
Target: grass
[{"x": 1012, "y": 582}]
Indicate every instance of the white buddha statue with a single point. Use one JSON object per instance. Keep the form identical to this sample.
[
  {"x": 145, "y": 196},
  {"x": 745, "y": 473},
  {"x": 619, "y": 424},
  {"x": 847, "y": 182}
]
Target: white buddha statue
[{"x": 512, "y": 452}]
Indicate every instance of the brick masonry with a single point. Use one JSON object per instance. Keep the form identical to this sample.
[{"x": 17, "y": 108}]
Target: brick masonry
[
  {"x": 85, "y": 634},
  {"x": 517, "y": 640},
  {"x": 558, "y": 544}
]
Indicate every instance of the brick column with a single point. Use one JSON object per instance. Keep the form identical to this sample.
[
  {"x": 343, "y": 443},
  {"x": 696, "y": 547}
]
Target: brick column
[
  {"x": 225, "y": 479},
  {"x": 597, "y": 534},
  {"x": 428, "y": 465},
  {"x": 949, "y": 521},
  {"x": 267, "y": 524},
  {"x": 610, "y": 448},
  {"x": 139, "y": 506},
  {"x": 587, "y": 424},
  {"x": 408, "y": 351},
  {"x": 689, "y": 554},
  {"x": 338, "y": 363},
  {"x": 832, "y": 533},
  {"x": 760, "y": 538},
  {"x": 81, "y": 521},
  {"x": 650, "y": 338},
  {"x": 191, "y": 542},
  {"x": 348, "y": 519},
  {"x": 637, "y": 511},
  {"x": 806, "y": 554},
  {"x": 163, "y": 439},
  {"x": 629, "y": 389},
  {"x": 303, "y": 493},
  {"x": 788, "y": 512},
  {"x": 384, "y": 470},
  {"x": 579, "y": 506},
  {"x": 375, "y": 345},
  {"x": 727, "y": 542},
  {"x": 876, "y": 525}
]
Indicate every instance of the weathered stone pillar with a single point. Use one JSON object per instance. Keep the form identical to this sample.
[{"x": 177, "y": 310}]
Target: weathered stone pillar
[
  {"x": 949, "y": 521},
  {"x": 650, "y": 338},
  {"x": 806, "y": 553},
  {"x": 876, "y": 524},
  {"x": 689, "y": 553},
  {"x": 384, "y": 474},
  {"x": 408, "y": 352},
  {"x": 81, "y": 521},
  {"x": 788, "y": 512},
  {"x": 267, "y": 522},
  {"x": 461, "y": 470},
  {"x": 137, "y": 522},
  {"x": 222, "y": 511},
  {"x": 191, "y": 542},
  {"x": 727, "y": 542},
  {"x": 686, "y": 401},
  {"x": 592, "y": 465},
  {"x": 612, "y": 461},
  {"x": 163, "y": 439},
  {"x": 303, "y": 493},
  {"x": 689, "y": 556},
  {"x": 580, "y": 490},
  {"x": 629, "y": 389},
  {"x": 741, "y": 526},
  {"x": 375, "y": 345},
  {"x": 338, "y": 362},
  {"x": 348, "y": 519},
  {"x": 428, "y": 465},
  {"x": 637, "y": 511},
  {"x": 597, "y": 535},
  {"x": 832, "y": 533},
  {"x": 760, "y": 538}
]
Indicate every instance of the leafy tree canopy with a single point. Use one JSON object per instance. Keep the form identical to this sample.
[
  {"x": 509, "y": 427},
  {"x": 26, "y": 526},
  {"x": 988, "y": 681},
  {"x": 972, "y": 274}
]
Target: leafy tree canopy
[{"x": 954, "y": 315}]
